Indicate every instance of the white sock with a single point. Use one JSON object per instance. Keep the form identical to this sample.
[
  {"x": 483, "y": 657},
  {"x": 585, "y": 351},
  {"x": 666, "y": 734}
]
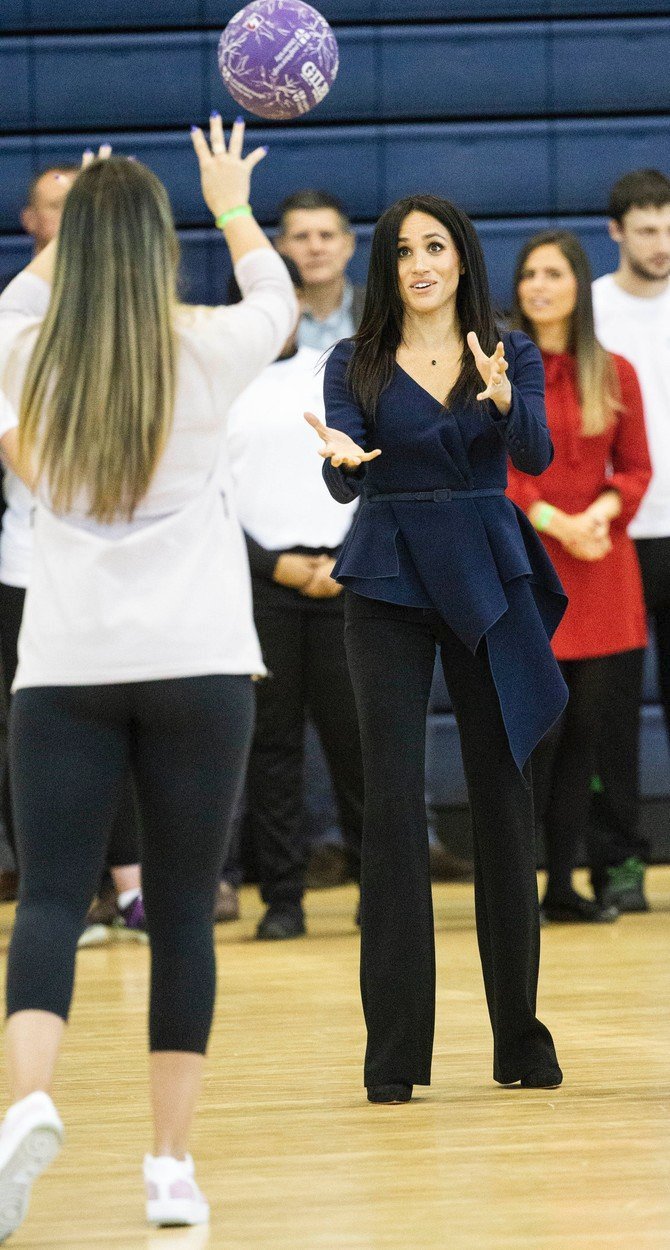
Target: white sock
[{"x": 126, "y": 897}]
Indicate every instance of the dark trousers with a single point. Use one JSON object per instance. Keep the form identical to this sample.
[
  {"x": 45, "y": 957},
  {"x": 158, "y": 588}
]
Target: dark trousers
[
  {"x": 568, "y": 761},
  {"x": 615, "y": 803},
  {"x": 186, "y": 740},
  {"x": 303, "y": 647},
  {"x": 391, "y": 652},
  {"x": 123, "y": 841},
  {"x": 564, "y": 765},
  {"x": 616, "y": 806},
  {"x": 654, "y": 557}
]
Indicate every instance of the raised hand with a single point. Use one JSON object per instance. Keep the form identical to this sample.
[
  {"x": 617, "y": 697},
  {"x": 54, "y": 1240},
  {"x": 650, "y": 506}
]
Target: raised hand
[
  {"x": 225, "y": 175},
  {"x": 341, "y": 450},
  {"x": 89, "y": 156},
  {"x": 493, "y": 371}
]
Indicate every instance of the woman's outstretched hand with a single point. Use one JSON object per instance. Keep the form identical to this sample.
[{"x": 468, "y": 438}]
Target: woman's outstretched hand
[
  {"x": 225, "y": 175},
  {"x": 493, "y": 370},
  {"x": 341, "y": 450}
]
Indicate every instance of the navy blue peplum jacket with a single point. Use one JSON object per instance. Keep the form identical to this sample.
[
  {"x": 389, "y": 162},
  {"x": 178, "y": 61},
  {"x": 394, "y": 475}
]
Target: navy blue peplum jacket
[{"x": 435, "y": 530}]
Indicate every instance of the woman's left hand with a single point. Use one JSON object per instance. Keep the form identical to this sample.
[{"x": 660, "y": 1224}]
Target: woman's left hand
[{"x": 493, "y": 370}]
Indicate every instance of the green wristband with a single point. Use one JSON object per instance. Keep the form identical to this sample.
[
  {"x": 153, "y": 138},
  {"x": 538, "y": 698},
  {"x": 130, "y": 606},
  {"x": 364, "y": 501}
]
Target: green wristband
[
  {"x": 543, "y": 517},
  {"x": 244, "y": 210}
]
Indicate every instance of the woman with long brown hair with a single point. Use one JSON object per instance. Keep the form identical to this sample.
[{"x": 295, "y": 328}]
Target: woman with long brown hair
[
  {"x": 581, "y": 507},
  {"x": 422, "y": 407},
  {"x": 137, "y": 644}
]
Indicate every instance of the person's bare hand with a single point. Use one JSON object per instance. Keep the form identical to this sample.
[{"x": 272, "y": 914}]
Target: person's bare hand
[
  {"x": 321, "y": 585},
  {"x": 493, "y": 371},
  {"x": 295, "y": 570},
  {"x": 225, "y": 175},
  {"x": 584, "y": 541},
  {"x": 341, "y": 450}
]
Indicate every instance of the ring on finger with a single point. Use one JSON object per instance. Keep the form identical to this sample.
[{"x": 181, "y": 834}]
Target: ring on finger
[{"x": 218, "y": 149}]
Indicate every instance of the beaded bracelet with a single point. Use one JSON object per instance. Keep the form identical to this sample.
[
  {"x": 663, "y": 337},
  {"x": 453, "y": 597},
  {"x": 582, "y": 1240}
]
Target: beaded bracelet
[
  {"x": 244, "y": 210},
  {"x": 543, "y": 517}
]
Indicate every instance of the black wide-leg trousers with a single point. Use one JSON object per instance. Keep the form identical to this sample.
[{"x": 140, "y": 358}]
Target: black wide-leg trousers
[{"x": 391, "y": 654}]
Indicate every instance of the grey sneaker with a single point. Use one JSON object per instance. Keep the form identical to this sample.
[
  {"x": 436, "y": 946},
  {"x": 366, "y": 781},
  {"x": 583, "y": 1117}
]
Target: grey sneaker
[{"x": 623, "y": 887}]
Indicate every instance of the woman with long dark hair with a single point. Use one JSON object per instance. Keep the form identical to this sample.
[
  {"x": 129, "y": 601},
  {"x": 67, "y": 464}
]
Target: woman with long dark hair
[
  {"x": 137, "y": 642},
  {"x": 582, "y": 507},
  {"x": 422, "y": 407}
]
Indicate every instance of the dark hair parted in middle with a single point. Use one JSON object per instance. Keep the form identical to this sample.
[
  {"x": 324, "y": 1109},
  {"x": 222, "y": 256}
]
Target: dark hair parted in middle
[
  {"x": 598, "y": 379},
  {"x": 381, "y": 329}
]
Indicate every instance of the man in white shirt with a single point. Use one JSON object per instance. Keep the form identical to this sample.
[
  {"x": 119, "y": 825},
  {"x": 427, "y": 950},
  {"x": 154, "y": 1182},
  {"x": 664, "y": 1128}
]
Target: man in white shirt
[{"x": 632, "y": 318}]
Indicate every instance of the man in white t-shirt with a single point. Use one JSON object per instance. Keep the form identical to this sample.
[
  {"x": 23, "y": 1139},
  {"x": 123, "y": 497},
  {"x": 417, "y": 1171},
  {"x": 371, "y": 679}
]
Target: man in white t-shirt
[{"x": 632, "y": 318}]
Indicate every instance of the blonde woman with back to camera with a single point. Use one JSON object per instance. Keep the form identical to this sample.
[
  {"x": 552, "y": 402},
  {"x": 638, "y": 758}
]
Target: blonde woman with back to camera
[{"x": 137, "y": 644}]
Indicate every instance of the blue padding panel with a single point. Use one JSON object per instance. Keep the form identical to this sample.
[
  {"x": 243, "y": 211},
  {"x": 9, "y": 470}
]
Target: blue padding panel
[
  {"x": 117, "y": 14},
  {"x": 85, "y": 14},
  {"x": 654, "y": 758},
  {"x": 14, "y": 254},
  {"x": 650, "y": 685},
  {"x": 123, "y": 80},
  {"x": 610, "y": 66},
  {"x": 487, "y": 168},
  {"x": 17, "y": 170},
  {"x": 14, "y": 15},
  {"x": 219, "y": 12},
  {"x": 433, "y": 71},
  {"x": 344, "y": 162},
  {"x": 15, "y": 110},
  {"x": 355, "y": 94},
  {"x": 205, "y": 268},
  {"x": 394, "y": 72},
  {"x": 590, "y": 155}
]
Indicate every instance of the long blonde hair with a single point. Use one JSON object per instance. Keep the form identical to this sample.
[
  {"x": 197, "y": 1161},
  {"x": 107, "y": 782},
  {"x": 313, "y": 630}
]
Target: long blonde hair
[
  {"x": 98, "y": 398},
  {"x": 597, "y": 378}
]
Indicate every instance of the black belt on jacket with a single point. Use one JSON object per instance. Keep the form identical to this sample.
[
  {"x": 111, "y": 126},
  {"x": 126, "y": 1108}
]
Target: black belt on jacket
[{"x": 434, "y": 496}]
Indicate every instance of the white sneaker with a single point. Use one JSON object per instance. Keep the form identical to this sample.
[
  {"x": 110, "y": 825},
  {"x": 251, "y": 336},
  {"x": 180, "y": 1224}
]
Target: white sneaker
[
  {"x": 172, "y": 1194},
  {"x": 30, "y": 1138}
]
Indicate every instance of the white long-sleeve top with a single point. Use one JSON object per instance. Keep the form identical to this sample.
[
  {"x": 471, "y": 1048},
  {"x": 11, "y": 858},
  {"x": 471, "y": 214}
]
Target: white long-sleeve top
[
  {"x": 269, "y": 444},
  {"x": 167, "y": 594}
]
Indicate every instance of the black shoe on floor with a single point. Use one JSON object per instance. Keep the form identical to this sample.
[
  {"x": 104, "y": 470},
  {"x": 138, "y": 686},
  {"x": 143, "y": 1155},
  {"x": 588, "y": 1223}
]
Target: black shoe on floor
[
  {"x": 280, "y": 923},
  {"x": 573, "y": 908},
  {"x": 392, "y": 1095}
]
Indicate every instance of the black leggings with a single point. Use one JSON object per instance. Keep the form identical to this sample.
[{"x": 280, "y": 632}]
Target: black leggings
[
  {"x": 123, "y": 838},
  {"x": 186, "y": 740}
]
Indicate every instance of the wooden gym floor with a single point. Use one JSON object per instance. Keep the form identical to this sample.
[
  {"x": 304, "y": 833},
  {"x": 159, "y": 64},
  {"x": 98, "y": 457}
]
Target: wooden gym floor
[{"x": 291, "y": 1155}]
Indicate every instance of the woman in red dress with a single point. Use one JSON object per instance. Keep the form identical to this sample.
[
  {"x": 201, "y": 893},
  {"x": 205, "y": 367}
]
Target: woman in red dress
[{"x": 581, "y": 506}]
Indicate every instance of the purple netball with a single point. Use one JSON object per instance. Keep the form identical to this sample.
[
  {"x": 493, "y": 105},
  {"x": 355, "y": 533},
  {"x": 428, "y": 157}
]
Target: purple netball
[{"x": 278, "y": 58}]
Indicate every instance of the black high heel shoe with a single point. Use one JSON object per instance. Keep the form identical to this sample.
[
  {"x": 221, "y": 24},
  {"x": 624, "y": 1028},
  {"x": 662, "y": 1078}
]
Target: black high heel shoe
[
  {"x": 392, "y": 1095},
  {"x": 542, "y": 1078}
]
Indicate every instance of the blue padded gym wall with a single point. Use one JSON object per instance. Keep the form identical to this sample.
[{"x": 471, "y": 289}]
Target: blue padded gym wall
[
  {"x": 523, "y": 111},
  {"x": 520, "y": 110}
]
